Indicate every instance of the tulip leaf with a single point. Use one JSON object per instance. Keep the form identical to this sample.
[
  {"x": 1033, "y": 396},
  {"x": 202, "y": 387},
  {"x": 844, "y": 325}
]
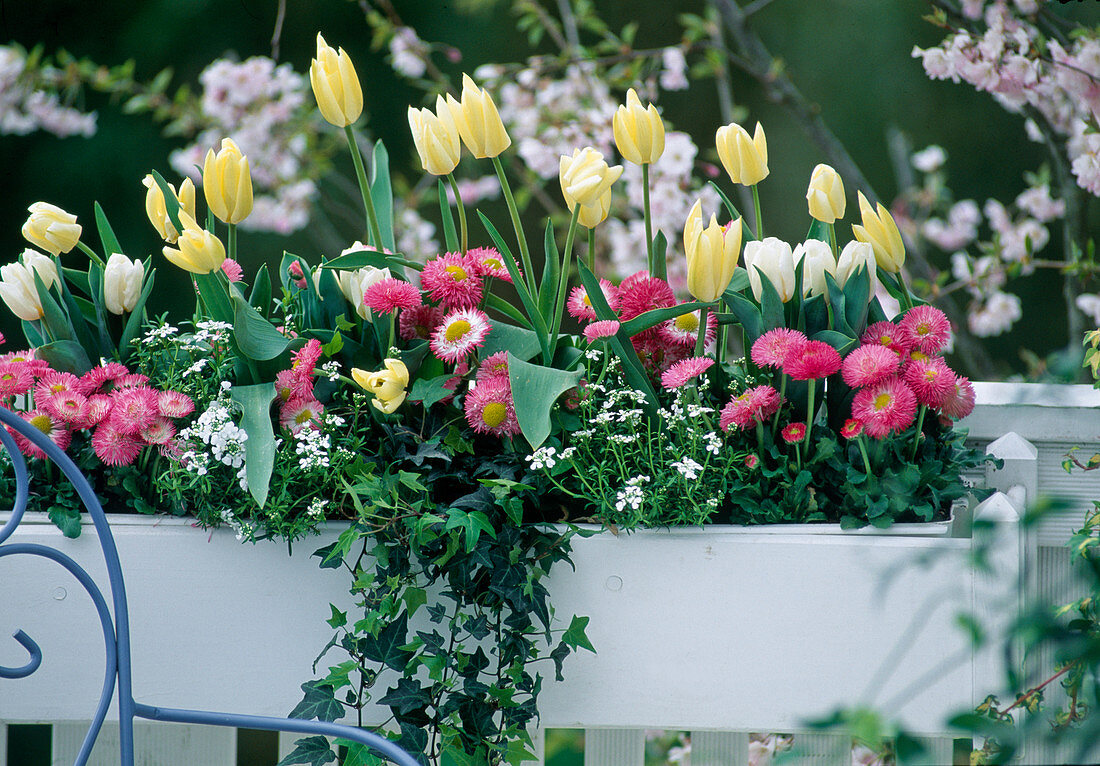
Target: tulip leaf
[
  {"x": 214, "y": 291},
  {"x": 890, "y": 282},
  {"x": 857, "y": 293},
  {"x": 771, "y": 305},
  {"x": 259, "y": 448},
  {"x": 660, "y": 248},
  {"x": 551, "y": 271},
  {"x": 256, "y": 337},
  {"x": 816, "y": 314},
  {"x": 747, "y": 234},
  {"x": 738, "y": 282},
  {"x": 506, "y": 308},
  {"x": 450, "y": 236},
  {"x": 287, "y": 281},
  {"x": 32, "y": 333},
  {"x": 838, "y": 340},
  {"x": 260, "y": 297},
  {"x": 522, "y": 343},
  {"x": 632, "y": 366},
  {"x": 369, "y": 257},
  {"x": 106, "y": 233},
  {"x": 382, "y": 193},
  {"x": 95, "y": 289},
  {"x": 171, "y": 203},
  {"x": 529, "y": 305},
  {"x": 136, "y": 318},
  {"x": 82, "y": 330},
  {"x": 819, "y": 231},
  {"x": 78, "y": 278},
  {"x": 53, "y": 316},
  {"x": 65, "y": 356},
  {"x": 838, "y": 309},
  {"x": 534, "y": 390},
  {"x": 656, "y": 316},
  {"x": 748, "y": 315}
]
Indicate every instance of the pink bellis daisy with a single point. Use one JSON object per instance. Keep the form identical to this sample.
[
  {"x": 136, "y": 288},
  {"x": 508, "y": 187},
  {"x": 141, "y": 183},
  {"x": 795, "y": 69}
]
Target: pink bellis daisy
[
  {"x": 884, "y": 408},
  {"x": 490, "y": 263},
  {"x": 753, "y": 406},
  {"x": 99, "y": 408},
  {"x": 493, "y": 367},
  {"x": 298, "y": 414},
  {"x": 114, "y": 447},
  {"x": 794, "y": 433},
  {"x": 391, "y": 294},
  {"x": 419, "y": 322},
  {"x": 15, "y": 378},
  {"x": 931, "y": 381},
  {"x": 751, "y": 461},
  {"x": 452, "y": 280},
  {"x": 684, "y": 329},
  {"x": 925, "y": 328},
  {"x": 100, "y": 375},
  {"x": 813, "y": 360},
  {"x": 459, "y": 333},
  {"x": 603, "y": 329},
  {"x": 868, "y": 364},
  {"x": 174, "y": 404},
  {"x": 884, "y": 334},
  {"x": 131, "y": 380},
  {"x": 961, "y": 401},
  {"x": 51, "y": 426},
  {"x": 71, "y": 407},
  {"x": 489, "y": 409},
  {"x": 579, "y": 304},
  {"x": 54, "y": 383},
  {"x": 637, "y": 296},
  {"x": 233, "y": 270},
  {"x": 160, "y": 431},
  {"x": 134, "y": 409},
  {"x": 681, "y": 372},
  {"x": 304, "y": 360},
  {"x": 773, "y": 347}
]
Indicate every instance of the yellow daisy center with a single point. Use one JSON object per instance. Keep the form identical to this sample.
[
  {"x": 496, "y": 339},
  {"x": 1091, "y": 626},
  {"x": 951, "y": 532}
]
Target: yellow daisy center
[
  {"x": 42, "y": 423},
  {"x": 882, "y": 401},
  {"x": 918, "y": 356},
  {"x": 885, "y": 340},
  {"x": 493, "y": 414},
  {"x": 57, "y": 388},
  {"x": 303, "y": 417},
  {"x": 687, "y": 322},
  {"x": 457, "y": 272},
  {"x": 493, "y": 263},
  {"x": 457, "y": 330}
]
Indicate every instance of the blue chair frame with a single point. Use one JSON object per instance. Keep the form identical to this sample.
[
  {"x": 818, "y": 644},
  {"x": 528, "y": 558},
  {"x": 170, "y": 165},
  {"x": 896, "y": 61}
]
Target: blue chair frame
[{"x": 116, "y": 630}]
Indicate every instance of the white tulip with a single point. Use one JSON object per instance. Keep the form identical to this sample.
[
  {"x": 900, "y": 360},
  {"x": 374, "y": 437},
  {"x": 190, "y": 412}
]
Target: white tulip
[
  {"x": 816, "y": 258},
  {"x": 855, "y": 255},
  {"x": 18, "y": 292},
  {"x": 773, "y": 258},
  {"x": 122, "y": 281}
]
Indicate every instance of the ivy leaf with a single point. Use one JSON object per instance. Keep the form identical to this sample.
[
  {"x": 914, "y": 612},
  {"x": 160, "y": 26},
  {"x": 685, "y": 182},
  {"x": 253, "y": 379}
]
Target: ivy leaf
[
  {"x": 313, "y": 751},
  {"x": 414, "y": 598},
  {"x": 472, "y": 523},
  {"x": 430, "y": 391},
  {"x": 338, "y": 618},
  {"x": 358, "y": 754},
  {"x": 66, "y": 519},
  {"x": 386, "y": 648},
  {"x": 575, "y": 637},
  {"x": 319, "y": 702},
  {"x": 406, "y": 697}
]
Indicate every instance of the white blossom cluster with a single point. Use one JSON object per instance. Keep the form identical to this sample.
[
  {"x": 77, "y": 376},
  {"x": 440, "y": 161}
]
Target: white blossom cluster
[
  {"x": 313, "y": 446},
  {"x": 253, "y": 102},
  {"x": 25, "y": 108},
  {"x": 688, "y": 468},
  {"x": 215, "y": 429},
  {"x": 244, "y": 530},
  {"x": 544, "y": 458},
  {"x": 632, "y": 495},
  {"x": 408, "y": 53}
]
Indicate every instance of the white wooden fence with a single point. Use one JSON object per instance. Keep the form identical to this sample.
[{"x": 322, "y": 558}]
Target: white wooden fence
[{"x": 718, "y": 632}]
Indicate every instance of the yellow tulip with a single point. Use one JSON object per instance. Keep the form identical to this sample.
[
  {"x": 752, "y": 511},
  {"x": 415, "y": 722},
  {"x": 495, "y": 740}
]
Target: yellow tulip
[
  {"x": 639, "y": 131},
  {"x": 592, "y": 216},
  {"x": 435, "y": 137},
  {"x": 157, "y": 212},
  {"x": 227, "y": 183},
  {"x": 744, "y": 158},
  {"x": 335, "y": 85},
  {"x": 388, "y": 385},
  {"x": 51, "y": 228},
  {"x": 711, "y": 255},
  {"x": 478, "y": 121},
  {"x": 585, "y": 177},
  {"x": 200, "y": 252},
  {"x": 881, "y": 233},
  {"x": 122, "y": 282},
  {"x": 826, "y": 194}
]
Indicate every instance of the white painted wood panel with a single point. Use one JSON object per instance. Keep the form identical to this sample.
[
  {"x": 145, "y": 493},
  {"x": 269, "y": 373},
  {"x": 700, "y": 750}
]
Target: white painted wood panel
[
  {"x": 155, "y": 744},
  {"x": 614, "y": 747}
]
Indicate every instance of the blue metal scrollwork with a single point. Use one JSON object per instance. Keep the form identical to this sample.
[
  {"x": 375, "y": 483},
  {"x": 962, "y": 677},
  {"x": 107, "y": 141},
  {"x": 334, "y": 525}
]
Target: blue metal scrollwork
[{"x": 116, "y": 630}]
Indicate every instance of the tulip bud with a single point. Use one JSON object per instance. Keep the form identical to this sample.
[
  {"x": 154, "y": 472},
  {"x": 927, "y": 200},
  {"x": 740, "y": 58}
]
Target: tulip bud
[
  {"x": 592, "y": 216},
  {"x": 585, "y": 177},
  {"x": 853, "y": 257},
  {"x": 744, "y": 158},
  {"x": 388, "y": 385},
  {"x": 881, "y": 233},
  {"x": 825, "y": 195},
  {"x": 815, "y": 258},
  {"x": 711, "y": 255},
  {"x": 51, "y": 228},
  {"x": 122, "y": 280},
  {"x": 774, "y": 259},
  {"x": 200, "y": 252},
  {"x": 353, "y": 284},
  {"x": 639, "y": 131},
  {"x": 335, "y": 85},
  {"x": 478, "y": 121},
  {"x": 436, "y": 138},
  {"x": 227, "y": 183},
  {"x": 157, "y": 211}
]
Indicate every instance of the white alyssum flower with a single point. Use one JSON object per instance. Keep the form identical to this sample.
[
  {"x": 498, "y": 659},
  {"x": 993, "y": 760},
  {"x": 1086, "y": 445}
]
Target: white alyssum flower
[
  {"x": 543, "y": 458},
  {"x": 688, "y": 468}
]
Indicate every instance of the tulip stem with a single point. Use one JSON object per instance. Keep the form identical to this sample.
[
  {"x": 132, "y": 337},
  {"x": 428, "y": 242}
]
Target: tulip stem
[
  {"x": 782, "y": 393},
  {"x": 233, "y": 241},
  {"x": 461, "y": 210},
  {"x": 517, "y": 225},
  {"x": 91, "y": 254},
  {"x": 592, "y": 250},
  {"x": 832, "y": 239},
  {"x": 701, "y": 339},
  {"x": 648, "y": 225},
  {"x": 563, "y": 280},
  {"x": 756, "y": 204},
  {"x": 364, "y": 187}
]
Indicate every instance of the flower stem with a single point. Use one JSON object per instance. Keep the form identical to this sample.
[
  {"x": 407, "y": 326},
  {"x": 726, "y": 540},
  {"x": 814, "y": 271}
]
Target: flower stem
[
  {"x": 701, "y": 340},
  {"x": 648, "y": 225},
  {"x": 916, "y": 436},
  {"x": 233, "y": 241},
  {"x": 592, "y": 250},
  {"x": 364, "y": 187},
  {"x": 91, "y": 253},
  {"x": 563, "y": 280},
  {"x": 513, "y": 211},
  {"x": 461, "y": 211},
  {"x": 863, "y": 451},
  {"x": 782, "y": 394},
  {"x": 756, "y": 204},
  {"x": 810, "y": 407},
  {"x": 832, "y": 239}
]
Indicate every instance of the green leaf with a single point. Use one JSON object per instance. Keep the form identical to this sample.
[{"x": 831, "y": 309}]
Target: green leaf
[
  {"x": 414, "y": 598},
  {"x": 837, "y": 304},
  {"x": 136, "y": 319},
  {"x": 259, "y": 449},
  {"x": 387, "y": 646},
  {"x": 746, "y": 233},
  {"x": 260, "y": 297},
  {"x": 656, "y": 316},
  {"x": 535, "y": 389},
  {"x": 857, "y": 292},
  {"x": 171, "y": 202},
  {"x": 256, "y": 337},
  {"x": 575, "y": 636},
  {"x": 472, "y": 524},
  {"x": 214, "y": 291},
  {"x": 450, "y": 236},
  {"x": 660, "y": 246},
  {"x": 53, "y": 316},
  {"x": 318, "y": 702},
  {"x": 338, "y": 618},
  {"x": 747, "y": 313},
  {"x": 106, "y": 234},
  {"x": 771, "y": 305},
  {"x": 529, "y": 305},
  {"x": 506, "y": 308},
  {"x": 406, "y": 697},
  {"x": 77, "y": 278},
  {"x": 838, "y": 340},
  {"x": 430, "y": 391},
  {"x": 65, "y": 356},
  {"x": 312, "y": 751},
  {"x": 551, "y": 271},
  {"x": 818, "y": 231},
  {"x": 382, "y": 193},
  {"x": 359, "y": 259},
  {"x": 66, "y": 519},
  {"x": 523, "y": 343}
]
